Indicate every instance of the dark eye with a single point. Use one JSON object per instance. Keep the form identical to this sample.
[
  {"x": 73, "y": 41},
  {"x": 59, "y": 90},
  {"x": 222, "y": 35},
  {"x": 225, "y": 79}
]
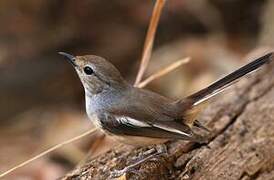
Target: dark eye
[{"x": 88, "y": 70}]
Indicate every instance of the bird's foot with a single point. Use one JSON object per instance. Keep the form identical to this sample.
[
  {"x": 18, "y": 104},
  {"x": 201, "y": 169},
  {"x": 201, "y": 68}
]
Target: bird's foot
[
  {"x": 160, "y": 150},
  {"x": 131, "y": 168},
  {"x": 123, "y": 172}
]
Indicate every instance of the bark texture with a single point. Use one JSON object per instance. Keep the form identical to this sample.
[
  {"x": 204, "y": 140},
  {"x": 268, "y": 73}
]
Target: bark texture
[{"x": 241, "y": 142}]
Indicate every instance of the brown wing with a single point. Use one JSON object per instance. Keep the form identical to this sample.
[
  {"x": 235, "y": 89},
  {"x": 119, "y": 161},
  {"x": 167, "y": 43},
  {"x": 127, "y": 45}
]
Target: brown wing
[{"x": 155, "y": 110}]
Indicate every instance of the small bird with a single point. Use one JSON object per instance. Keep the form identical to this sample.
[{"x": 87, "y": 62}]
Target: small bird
[{"x": 141, "y": 117}]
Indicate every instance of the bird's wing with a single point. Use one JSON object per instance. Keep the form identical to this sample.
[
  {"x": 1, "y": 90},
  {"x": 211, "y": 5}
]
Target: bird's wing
[
  {"x": 146, "y": 106},
  {"x": 127, "y": 126},
  {"x": 149, "y": 115}
]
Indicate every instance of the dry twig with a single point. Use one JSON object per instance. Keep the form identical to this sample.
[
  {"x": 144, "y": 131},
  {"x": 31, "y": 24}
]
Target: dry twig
[
  {"x": 48, "y": 151},
  {"x": 149, "y": 39},
  {"x": 163, "y": 72}
]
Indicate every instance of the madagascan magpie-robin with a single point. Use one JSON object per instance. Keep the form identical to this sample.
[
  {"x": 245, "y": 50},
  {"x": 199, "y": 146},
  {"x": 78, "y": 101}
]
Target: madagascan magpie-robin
[{"x": 141, "y": 117}]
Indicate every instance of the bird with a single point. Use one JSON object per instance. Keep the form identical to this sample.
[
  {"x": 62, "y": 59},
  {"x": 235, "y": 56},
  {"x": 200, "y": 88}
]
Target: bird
[{"x": 141, "y": 117}]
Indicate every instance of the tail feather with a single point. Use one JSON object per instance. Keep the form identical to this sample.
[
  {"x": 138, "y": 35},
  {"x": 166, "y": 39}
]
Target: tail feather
[{"x": 220, "y": 85}]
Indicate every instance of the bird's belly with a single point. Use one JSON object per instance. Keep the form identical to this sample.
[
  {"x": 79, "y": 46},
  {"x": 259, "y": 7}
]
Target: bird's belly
[{"x": 138, "y": 140}]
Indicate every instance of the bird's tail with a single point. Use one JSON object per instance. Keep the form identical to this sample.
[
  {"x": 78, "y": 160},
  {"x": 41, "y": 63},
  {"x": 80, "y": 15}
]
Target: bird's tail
[
  {"x": 194, "y": 103},
  {"x": 220, "y": 85}
]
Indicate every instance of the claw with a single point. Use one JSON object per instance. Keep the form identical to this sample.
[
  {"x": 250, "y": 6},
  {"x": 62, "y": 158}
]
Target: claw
[
  {"x": 117, "y": 173},
  {"x": 121, "y": 174}
]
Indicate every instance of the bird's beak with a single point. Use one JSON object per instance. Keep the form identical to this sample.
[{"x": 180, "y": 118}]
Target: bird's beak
[{"x": 69, "y": 57}]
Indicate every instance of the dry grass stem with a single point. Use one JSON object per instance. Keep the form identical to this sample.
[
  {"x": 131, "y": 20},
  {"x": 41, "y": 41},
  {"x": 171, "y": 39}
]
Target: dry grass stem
[
  {"x": 163, "y": 72},
  {"x": 154, "y": 21},
  {"x": 48, "y": 151}
]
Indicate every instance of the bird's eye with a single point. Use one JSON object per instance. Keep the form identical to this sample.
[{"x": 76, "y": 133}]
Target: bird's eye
[{"x": 88, "y": 70}]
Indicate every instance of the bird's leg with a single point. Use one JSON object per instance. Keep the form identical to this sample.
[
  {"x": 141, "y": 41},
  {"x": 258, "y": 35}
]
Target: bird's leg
[
  {"x": 197, "y": 124},
  {"x": 131, "y": 168},
  {"x": 160, "y": 150}
]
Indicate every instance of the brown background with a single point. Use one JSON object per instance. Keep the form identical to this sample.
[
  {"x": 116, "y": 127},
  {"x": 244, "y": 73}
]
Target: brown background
[{"x": 42, "y": 100}]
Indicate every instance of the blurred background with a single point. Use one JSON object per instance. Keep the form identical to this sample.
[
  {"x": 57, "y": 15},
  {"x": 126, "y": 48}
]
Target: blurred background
[{"x": 42, "y": 100}]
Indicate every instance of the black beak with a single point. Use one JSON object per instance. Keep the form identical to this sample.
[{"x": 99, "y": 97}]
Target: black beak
[{"x": 69, "y": 57}]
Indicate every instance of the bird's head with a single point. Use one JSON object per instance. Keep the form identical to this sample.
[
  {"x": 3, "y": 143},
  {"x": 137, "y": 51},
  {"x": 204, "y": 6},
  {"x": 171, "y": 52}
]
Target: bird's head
[{"x": 96, "y": 73}]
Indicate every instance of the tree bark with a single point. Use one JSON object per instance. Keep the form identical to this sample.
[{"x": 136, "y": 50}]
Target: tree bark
[{"x": 241, "y": 142}]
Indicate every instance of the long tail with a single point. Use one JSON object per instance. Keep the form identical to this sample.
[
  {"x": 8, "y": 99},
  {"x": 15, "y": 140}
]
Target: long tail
[{"x": 220, "y": 85}]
